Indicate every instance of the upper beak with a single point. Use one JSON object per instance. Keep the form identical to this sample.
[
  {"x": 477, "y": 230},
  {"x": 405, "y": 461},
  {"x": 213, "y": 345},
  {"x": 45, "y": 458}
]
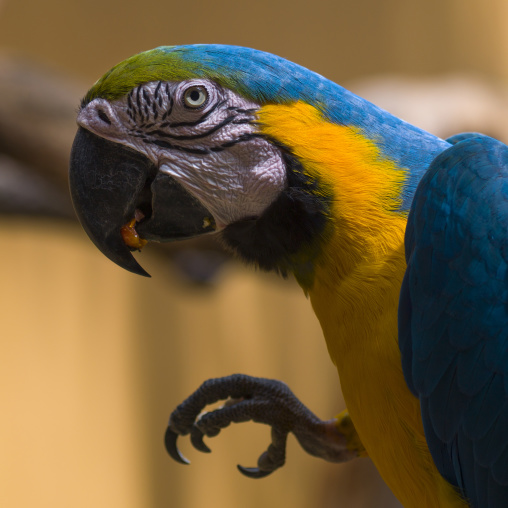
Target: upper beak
[{"x": 109, "y": 182}]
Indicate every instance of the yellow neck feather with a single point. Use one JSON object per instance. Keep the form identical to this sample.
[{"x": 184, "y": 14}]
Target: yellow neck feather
[{"x": 365, "y": 186}]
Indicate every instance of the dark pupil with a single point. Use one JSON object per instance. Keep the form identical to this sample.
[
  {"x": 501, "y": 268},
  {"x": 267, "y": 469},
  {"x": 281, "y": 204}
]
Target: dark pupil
[{"x": 194, "y": 95}]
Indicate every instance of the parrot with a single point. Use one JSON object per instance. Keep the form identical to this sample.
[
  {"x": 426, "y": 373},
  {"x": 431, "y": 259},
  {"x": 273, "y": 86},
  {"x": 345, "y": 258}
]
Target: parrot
[{"x": 397, "y": 237}]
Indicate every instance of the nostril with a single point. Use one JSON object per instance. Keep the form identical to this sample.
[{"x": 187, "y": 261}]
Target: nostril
[{"x": 103, "y": 116}]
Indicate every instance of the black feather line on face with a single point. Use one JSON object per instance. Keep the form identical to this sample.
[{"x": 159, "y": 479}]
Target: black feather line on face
[{"x": 288, "y": 237}]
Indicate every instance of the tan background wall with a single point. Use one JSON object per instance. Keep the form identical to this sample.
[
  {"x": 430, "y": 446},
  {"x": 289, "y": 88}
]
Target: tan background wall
[
  {"x": 338, "y": 38},
  {"x": 92, "y": 359}
]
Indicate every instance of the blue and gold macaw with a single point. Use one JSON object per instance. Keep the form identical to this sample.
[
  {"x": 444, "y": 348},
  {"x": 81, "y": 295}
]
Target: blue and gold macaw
[{"x": 399, "y": 239}]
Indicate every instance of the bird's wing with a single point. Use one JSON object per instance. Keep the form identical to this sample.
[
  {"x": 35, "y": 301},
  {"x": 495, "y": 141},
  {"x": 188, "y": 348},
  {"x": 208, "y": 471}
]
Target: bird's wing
[{"x": 453, "y": 315}]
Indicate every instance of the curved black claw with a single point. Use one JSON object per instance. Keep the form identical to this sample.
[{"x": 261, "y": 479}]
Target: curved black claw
[
  {"x": 253, "y": 472},
  {"x": 260, "y": 400},
  {"x": 170, "y": 439},
  {"x": 196, "y": 437}
]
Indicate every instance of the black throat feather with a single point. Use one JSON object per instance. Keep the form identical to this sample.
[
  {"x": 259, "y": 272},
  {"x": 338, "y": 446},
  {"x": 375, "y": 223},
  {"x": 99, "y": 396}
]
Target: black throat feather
[{"x": 289, "y": 236}]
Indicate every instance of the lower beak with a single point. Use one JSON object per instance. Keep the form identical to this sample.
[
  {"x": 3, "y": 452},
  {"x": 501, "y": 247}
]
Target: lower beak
[{"x": 110, "y": 184}]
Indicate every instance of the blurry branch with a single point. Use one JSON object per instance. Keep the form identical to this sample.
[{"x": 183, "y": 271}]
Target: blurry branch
[
  {"x": 37, "y": 117},
  {"x": 23, "y": 191},
  {"x": 37, "y": 125}
]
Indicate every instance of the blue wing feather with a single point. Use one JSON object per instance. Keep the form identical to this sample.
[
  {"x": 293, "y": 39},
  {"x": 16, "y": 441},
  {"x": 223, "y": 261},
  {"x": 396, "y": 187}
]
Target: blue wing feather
[{"x": 453, "y": 315}]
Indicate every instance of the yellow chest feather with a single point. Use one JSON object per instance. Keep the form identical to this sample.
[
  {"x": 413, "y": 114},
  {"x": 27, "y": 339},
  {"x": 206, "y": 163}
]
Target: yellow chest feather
[
  {"x": 355, "y": 295},
  {"x": 362, "y": 339}
]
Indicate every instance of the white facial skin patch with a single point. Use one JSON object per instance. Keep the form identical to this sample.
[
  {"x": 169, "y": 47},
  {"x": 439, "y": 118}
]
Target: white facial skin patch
[{"x": 202, "y": 135}]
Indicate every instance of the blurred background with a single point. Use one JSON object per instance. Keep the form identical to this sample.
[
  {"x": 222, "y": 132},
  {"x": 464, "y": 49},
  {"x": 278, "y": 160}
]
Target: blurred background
[{"x": 92, "y": 358}]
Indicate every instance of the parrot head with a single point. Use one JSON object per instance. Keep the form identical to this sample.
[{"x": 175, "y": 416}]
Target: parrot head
[{"x": 170, "y": 146}]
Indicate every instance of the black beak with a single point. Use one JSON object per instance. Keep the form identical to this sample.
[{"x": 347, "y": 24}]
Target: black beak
[{"x": 109, "y": 182}]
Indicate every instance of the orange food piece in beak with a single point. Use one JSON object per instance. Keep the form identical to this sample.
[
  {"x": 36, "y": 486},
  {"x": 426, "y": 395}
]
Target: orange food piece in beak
[{"x": 131, "y": 237}]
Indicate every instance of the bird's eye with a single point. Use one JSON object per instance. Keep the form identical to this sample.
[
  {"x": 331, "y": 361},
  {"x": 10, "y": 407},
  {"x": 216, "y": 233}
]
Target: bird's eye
[{"x": 195, "y": 97}]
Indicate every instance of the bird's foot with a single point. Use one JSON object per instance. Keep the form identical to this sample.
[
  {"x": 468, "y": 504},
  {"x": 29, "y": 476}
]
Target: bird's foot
[{"x": 263, "y": 401}]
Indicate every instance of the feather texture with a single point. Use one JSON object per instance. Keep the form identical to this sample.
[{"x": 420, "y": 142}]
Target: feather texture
[{"x": 453, "y": 315}]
